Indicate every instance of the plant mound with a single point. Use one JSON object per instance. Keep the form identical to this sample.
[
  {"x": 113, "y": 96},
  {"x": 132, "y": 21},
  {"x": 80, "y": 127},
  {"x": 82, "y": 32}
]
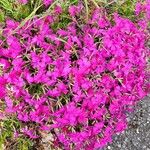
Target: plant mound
[{"x": 75, "y": 83}]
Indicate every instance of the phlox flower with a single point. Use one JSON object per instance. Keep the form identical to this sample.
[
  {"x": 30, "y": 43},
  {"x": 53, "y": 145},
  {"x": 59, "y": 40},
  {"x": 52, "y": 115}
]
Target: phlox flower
[
  {"x": 139, "y": 8},
  {"x": 47, "y": 2},
  {"x": 75, "y": 82},
  {"x": 23, "y": 1},
  {"x": 30, "y": 133}
]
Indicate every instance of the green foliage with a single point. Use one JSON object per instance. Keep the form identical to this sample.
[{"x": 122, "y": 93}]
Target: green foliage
[
  {"x": 7, "y": 128},
  {"x": 21, "y": 12},
  {"x": 64, "y": 18},
  {"x": 126, "y": 9},
  {"x": 24, "y": 144},
  {"x": 2, "y": 16},
  {"x": 36, "y": 90},
  {"x": 6, "y": 5},
  {"x": 14, "y": 9}
]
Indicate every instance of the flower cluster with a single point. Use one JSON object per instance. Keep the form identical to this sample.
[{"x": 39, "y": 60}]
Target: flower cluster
[
  {"x": 76, "y": 83},
  {"x": 45, "y": 2}
]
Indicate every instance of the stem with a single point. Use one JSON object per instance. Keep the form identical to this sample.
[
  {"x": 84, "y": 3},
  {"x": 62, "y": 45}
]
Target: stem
[
  {"x": 87, "y": 10},
  {"x": 95, "y": 3}
]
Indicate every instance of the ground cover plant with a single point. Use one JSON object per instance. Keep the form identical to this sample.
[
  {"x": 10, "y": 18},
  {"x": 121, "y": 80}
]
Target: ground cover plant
[{"x": 70, "y": 70}]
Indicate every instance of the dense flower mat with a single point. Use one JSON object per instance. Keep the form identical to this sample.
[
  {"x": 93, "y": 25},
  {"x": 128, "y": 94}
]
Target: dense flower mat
[{"x": 78, "y": 82}]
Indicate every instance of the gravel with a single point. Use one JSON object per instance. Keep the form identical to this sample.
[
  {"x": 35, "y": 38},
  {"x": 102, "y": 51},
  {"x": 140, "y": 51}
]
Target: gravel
[{"x": 137, "y": 136}]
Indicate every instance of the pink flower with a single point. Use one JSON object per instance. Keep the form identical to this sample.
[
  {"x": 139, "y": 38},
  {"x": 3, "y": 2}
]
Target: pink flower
[
  {"x": 138, "y": 8},
  {"x": 74, "y": 10},
  {"x": 114, "y": 107},
  {"x": 77, "y": 82},
  {"x": 23, "y": 1},
  {"x": 103, "y": 23},
  {"x": 16, "y": 134},
  {"x": 121, "y": 126},
  {"x": 4, "y": 63},
  {"x": 58, "y": 9},
  {"x": 23, "y": 117},
  {"x": 9, "y": 102},
  {"x": 97, "y": 128},
  {"x": 30, "y": 133},
  {"x": 148, "y": 9},
  {"x": 47, "y": 2}
]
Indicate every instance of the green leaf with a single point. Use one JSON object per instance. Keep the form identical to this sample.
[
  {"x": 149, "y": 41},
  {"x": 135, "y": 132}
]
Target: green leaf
[{"x": 2, "y": 16}]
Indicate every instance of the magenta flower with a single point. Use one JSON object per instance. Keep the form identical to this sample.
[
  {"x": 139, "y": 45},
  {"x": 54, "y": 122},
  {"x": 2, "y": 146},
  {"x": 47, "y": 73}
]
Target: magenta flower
[
  {"x": 139, "y": 8},
  {"x": 23, "y": 1},
  {"x": 74, "y": 10},
  {"x": 76, "y": 82},
  {"x": 30, "y": 133},
  {"x": 47, "y": 2},
  {"x": 121, "y": 126}
]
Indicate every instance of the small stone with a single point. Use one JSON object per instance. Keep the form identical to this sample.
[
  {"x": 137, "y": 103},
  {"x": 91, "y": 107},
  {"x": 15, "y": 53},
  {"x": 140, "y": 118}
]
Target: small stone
[
  {"x": 137, "y": 131},
  {"x": 109, "y": 147},
  {"x": 119, "y": 145}
]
